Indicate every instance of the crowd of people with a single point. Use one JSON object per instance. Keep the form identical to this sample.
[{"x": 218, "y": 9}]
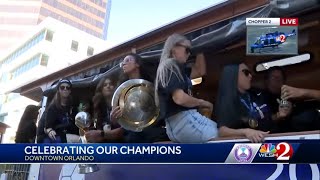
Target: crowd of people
[{"x": 240, "y": 109}]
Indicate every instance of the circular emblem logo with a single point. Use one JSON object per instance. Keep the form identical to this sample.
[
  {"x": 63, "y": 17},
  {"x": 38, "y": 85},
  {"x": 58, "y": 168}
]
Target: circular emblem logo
[{"x": 243, "y": 153}]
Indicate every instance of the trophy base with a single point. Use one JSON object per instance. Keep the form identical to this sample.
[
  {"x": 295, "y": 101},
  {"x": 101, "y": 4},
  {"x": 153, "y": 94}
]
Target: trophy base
[{"x": 87, "y": 168}]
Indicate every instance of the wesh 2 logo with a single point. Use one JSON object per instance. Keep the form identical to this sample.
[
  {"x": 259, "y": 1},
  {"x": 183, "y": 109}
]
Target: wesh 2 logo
[
  {"x": 282, "y": 151},
  {"x": 267, "y": 150}
]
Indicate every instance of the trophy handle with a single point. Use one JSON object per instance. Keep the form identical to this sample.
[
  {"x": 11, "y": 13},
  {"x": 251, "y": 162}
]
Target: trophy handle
[{"x": 82, "y": 139}]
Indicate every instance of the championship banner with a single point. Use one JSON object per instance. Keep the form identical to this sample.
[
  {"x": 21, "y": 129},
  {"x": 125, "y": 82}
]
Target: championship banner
[{"x": 279, "y": 152}]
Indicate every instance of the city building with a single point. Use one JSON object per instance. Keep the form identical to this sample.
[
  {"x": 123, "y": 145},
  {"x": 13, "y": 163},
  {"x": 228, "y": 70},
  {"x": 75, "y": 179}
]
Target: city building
[
  {"x": 52, "y": 46},
  {"x": 18, "y": 17}
]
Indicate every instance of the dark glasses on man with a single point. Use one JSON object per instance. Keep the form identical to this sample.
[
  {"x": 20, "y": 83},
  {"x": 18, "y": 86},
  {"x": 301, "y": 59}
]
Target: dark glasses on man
[
  {"x": 64, "y": 87},
  {"x": 188, "y": 49},
  {"x": 246, "y": 72}
]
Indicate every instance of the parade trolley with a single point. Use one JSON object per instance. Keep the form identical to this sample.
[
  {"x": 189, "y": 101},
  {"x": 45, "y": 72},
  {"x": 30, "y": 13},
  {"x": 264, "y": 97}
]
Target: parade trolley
[{"x": 216, "y": 32}]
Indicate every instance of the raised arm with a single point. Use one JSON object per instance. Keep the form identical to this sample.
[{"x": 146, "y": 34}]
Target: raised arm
[
  {"x": 199, "y": 68},
  {"x": 289, "y": 92},
  {"x": 183, "y": 99}
]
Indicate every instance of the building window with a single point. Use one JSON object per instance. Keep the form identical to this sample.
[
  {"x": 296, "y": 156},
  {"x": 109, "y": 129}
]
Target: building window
[
  {"x": 49, "y": 35},
  {"x": 44, "y": 60},
  {"x": 74, "y": 45},
  {"x": 31, "y": 63},
  {"x": 35, "y": 40},
  {"x": 90, "y": 51}
]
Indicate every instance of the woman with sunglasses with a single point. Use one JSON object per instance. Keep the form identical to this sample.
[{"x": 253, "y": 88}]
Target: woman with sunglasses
[
  {"x": 59, "y": 117},
  {"x": 239, "y": 112},
  {"x": 184, "y": 124},
  {"x": 133, "y": 68}
]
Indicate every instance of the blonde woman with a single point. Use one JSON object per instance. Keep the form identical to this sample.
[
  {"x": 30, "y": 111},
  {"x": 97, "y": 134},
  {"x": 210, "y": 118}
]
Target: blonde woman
[{"x": 173, "y": 86}]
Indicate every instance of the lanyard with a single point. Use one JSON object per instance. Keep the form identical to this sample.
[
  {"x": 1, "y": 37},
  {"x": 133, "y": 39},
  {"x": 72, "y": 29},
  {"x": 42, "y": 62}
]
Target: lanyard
[
  {"x": 248, "y": 106},
  {"x": 252, "y": 107}
]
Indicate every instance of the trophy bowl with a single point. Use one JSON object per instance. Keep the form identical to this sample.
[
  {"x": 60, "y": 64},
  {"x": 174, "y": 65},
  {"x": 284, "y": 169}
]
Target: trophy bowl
[
  {"x": 137, "y": 101},
  {"x": 83, "y": 120}
]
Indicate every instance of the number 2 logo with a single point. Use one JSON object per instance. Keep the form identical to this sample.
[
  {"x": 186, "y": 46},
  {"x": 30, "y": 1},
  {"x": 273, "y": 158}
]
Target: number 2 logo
[
  {"x": 282, "y": 38},
  {"x": 284, "y": 151}
]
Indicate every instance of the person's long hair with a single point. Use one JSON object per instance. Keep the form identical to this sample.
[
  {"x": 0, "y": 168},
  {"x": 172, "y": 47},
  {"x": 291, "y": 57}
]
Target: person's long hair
[
  {"x": 57, "y": 100},
  {"x": 167, "y": 64},
  {"x": 27, "y": 120},
  {"x": 228, "y": 107},
  {"x": 99, "y": 103}
]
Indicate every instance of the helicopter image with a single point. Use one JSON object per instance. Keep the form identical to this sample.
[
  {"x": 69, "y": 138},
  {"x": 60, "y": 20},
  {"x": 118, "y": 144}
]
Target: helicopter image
[{"x": 273, "y": 39}]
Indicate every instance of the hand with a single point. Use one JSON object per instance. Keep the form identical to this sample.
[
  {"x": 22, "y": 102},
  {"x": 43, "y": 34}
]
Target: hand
[
  {"x": 115, "y": 113},
  {"x": 255, "y": 136},
  {"x": 288, "y": 92},
  {"x": 81, "y": 132},
  {"x": 206, "y": 104},
  {"x": 94, "y": 136},
  {"x": 51, "y": 133}
]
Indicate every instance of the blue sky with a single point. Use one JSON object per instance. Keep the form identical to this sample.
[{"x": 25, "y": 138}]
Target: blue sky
[{"x": 131, "y": 18}]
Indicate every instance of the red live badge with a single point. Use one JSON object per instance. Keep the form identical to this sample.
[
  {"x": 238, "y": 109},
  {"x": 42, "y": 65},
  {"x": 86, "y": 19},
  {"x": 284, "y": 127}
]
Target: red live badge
[{"x": 288, "y": 21}]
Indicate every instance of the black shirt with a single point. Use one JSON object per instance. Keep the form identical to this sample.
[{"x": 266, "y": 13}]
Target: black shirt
[
  {"x": 27, "y": 133},
  {"x": 154, "y": 133},
  {"x": 251, "y": 106},
  {"x": 270, "y": 99},
  {"x": 104, "y": 118},
  {"x": 40, "y": 129},
  {"x": 304, "y": 115},
  {"x": 167, "y": 106},
  {"x": 61, "y": 120}
]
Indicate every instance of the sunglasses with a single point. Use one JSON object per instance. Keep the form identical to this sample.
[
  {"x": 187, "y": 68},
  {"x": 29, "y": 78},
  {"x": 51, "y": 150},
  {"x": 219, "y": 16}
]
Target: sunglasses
[
  {"x": 188, "y": 49},
  {"x": 126, "y": 61},
  {"x": 64, "y": 87},
  {"x": 246, "y": 72}
]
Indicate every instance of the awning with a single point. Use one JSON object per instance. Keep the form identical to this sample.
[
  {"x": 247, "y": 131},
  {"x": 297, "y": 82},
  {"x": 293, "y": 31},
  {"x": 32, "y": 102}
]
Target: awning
[{"x": 212, "y": 38}]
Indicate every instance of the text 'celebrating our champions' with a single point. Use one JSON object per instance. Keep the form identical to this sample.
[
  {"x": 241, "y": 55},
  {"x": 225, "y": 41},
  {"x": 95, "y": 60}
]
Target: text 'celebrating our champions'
[{"x": 90, "y": 150}]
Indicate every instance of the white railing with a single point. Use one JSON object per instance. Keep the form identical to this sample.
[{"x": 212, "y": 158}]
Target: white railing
[{"x": 307, "y": 135}]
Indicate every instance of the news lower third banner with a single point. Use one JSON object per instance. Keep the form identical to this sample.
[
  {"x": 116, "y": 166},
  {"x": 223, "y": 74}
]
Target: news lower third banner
[{"x": 280, "y": 152}]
